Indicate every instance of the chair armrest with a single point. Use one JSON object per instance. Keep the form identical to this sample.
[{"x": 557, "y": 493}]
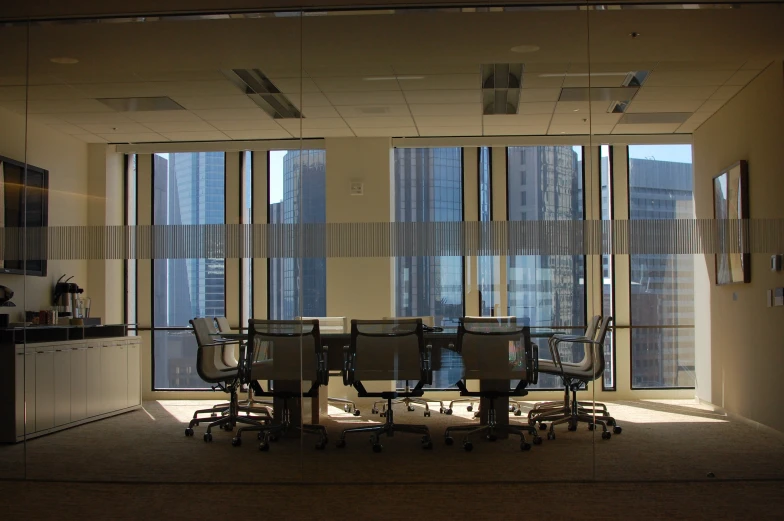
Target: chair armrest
[
  {"x": 348, "y": 366},
  {"x": 426, "y": 365},
  {"x": 323, "y": 373},
  {"x": 532, "y": 367}
]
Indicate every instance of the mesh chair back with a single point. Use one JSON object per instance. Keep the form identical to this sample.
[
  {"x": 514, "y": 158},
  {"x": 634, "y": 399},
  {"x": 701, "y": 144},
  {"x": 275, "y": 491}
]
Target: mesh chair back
[
  {"x": 493, "y": 348},
  {"x": 229, "y": 349},
  {"x": 387, "y": 349},
  {"x": 209, "y": 361},
  {"x": 289, "y": 349},
  {"x": 329, "y": 324},
  {"x": 428, "y": 320}
]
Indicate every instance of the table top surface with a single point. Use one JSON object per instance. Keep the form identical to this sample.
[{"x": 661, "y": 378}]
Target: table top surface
[{"x": 447, "y": 332}]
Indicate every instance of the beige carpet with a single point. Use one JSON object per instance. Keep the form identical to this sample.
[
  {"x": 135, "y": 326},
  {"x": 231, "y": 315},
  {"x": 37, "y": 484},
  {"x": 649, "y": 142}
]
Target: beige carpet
[{"x": 662, "y": 441}]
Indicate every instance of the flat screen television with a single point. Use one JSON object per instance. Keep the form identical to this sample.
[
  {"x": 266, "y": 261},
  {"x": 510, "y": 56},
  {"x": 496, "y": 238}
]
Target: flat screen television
[{"x": 24, "y": 207}]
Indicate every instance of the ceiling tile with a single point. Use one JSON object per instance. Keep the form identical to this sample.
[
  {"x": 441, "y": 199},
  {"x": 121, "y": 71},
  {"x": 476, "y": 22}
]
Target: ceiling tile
[
  {"x": 166, "y": 116},
  {"x": 142, "y": 137},
  {"x": 89, "y": 138},
  {"x": 127, "y": 90},
  {"x": 547, "y": 68},
  {"x": 320, "y": 112},
  {"x": 386, "y": 132},
  {"x": 664, "y": 106},
  {"x": 519, "y": 130},
  {"x": 73, "y": 105},
  {"x": 674, "y": 93},
  {"x": 583, "y": 119},
  {"x": 13, "y": 93},
  {"x": 757, "y": 64},
  {"x": 95, "y": 117},
  {"x": 711, "y": 106},
  {"x": 542, "y": 107},
  {"x": 180, "y": 126},
  {"x": 222, "y": 87},
  {"x": 601, "y": 129},
  {"x": 726, "y": 92},
  {"x": 196, "y": 136},
  {"x": 173, "y": 75},
  {"x": 594, "y": 81},
  {"x": 373, "y": 111},
  {"x": 394, "y": 97},
  {"x": 581, "y": 107},
  {"x": 654, "y": 128},
  {"x": 231, "y": 114},
  {"x": 258, "y": 134},
  {"x": 289, "y": 85},
  {"x": 354, "y": 84},
  {"x": 516, "y": 120},
  {"x": 425, "y": 69},
  {"x": 687, "y": 78},
  {"x": 535, "y": 81},
  {"x": 245, "y": 124},
  {"x": 444, "y": 96},
  {"x": 111, "y": 128},
  {"x": 323, "y": 132},
  {"x": 380, "y": 122},
  {"x": 309, "y": 99},
  {"x": 309, "y": 124},
  {"x": 742, "y": 77},
  {"x": 568, "y": 129},
  {"x": 363, "y": 71},
  {"x": 67, "y": 128},
  {"x": 446, "y": 109},
  {"x": 531, "y": 95},
  {"x": 214, "y": 102},
  {"x": 450, "y": 131},
  {"x": 707, "y": 65},
  {"x": 54, "y": 92},
  {"x": 449, "y": 121},
  {"x": 444, "y": 82}
]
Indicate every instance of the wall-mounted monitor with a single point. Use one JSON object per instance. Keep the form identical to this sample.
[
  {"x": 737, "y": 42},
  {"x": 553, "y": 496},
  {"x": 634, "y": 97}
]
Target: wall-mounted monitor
[{"x": 24, "y": 214}]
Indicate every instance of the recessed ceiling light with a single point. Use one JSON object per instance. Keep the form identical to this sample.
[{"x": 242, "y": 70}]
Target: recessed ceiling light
[
  {"x": 525, "y": 48},
  {"x": 64, "y": 60},
  {"x": 393, "y": 78}
]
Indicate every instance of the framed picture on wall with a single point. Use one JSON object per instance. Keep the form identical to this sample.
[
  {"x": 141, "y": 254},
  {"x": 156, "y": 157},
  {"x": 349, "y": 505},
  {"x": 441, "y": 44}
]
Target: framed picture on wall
[{"x": 731, "y": 211}]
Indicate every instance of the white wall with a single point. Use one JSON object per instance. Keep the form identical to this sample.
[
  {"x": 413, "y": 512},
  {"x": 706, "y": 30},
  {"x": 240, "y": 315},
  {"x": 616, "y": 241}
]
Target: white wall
[
  {"x": 737, "y": 334},
  {"x": 66, "y": 160}
]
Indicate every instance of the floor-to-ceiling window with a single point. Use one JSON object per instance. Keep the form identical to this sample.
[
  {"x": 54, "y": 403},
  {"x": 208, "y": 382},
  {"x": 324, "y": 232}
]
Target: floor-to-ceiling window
[
  {"x": 608, "y": 270},
  {"x": 189, "y": 190},
  {"x": 662, "y": 285},
  {"x": 545, "y": 183},
  {"x": 297, "y": 196},
  {"x": 428, "y": 188}
]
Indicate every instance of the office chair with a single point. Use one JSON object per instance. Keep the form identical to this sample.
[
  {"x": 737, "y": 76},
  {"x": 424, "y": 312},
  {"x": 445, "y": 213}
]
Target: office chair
[
  {"x": 229, "y": 357},
  {"x": 335, "y": 325},
  {"x": 285, "y": 350},
  {"x": 495, "y": 348},
  {"x": 384, "y": 350},
  {"x": 575, "y": 376},
  {"x": 212, "y": 369},
  {"x": 428, "y": 321}
]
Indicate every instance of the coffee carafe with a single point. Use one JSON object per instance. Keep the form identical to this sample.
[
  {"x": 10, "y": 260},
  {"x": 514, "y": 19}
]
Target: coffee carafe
[{"x": 66, "y": 297}]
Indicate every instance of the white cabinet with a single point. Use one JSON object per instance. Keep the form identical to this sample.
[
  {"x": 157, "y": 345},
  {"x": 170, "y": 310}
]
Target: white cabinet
[
  {"x": 93, "y": 379},
  {"x": 62, "y": 384},
  {"x": 24, "y": 389},
  {"x": 134, "y": 372},
  {"x": 78, "y": 382},
  {"x": 114, "y": 375},
  {"x": 44, "y": 388}
]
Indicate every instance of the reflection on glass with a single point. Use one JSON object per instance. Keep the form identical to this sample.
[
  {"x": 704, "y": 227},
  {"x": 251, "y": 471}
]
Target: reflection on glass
[
  {"x": 297, "y": 195},
  {"x": 428, "y": 187},
  {"x": 662, "y": 285},
  {"x": 488, "y": 293},
  {"x": 546, "y": 183},
  {"x": 605, "y": 166},
  {"x": 247, "y": 218},
  {"x": 188, "y": 190},
  {"x": 175, "y": 361}
]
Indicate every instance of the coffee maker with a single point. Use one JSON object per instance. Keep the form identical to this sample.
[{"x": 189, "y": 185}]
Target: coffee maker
[{"x": 66, "y": 297}]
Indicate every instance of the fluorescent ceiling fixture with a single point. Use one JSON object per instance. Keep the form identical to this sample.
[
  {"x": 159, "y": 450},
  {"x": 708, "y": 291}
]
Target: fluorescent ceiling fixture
[
  {"x": 64, "y": 60},
  {"x": 149, "y": 104},
  {"x": 581, "y": 74},
  {"x": 525, "y": 48},
  {"x": 260, "y": 89},
  {"x": 501, "y": 84},
  {"x": 393, "y": 78}
]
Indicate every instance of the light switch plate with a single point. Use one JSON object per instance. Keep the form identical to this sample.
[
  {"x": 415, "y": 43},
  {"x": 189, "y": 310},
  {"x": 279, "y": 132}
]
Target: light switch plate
[{"x": 356, "y": 188}]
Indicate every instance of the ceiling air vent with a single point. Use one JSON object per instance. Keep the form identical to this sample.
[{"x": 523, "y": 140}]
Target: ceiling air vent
[
  {"x": 501, "y": 83},
  {"x": 141, "y": 104},
  {"x": 263, "y": 92}
]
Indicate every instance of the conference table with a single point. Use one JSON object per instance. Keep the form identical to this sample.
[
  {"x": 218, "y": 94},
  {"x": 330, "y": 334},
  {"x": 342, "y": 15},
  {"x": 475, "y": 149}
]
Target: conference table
[{"x": 440, "y": 340}]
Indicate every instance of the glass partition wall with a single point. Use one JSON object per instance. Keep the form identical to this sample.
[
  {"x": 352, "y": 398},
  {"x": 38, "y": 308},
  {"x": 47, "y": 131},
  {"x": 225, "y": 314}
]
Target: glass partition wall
[{"x": 552, "y": 165}]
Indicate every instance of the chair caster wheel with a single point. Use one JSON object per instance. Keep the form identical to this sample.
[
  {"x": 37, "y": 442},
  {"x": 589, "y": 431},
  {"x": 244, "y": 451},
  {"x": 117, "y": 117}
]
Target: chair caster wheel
[
  {"x": 236, "y": 442},
  {"x": 320, "y": 445},
  {"x": 449, "y": 440},
  {"x": 377, "y": 447},
  {"x": 590, "y": 426},
  {"x": 538, "y": 440},
  {"x": 189, "y": 432},
  {"x": 468, "y": 446},
  {"x": 410, "y": 408},
  {"x": 374, "y": 410},
  {"x": 207, "y": 437},
  {"x": 448, "y": 412},
  {"x": 606, "y": 435},
  {"x": 550, "y": 435},
  {"x": 470, "y": 408},
  {"x": 525, "y": 446},
  {"x": 441, "y": 410},
  {"x": 542, "y": 427},
  {"x": 427, "y": 414},
  {"x": 346, "y": 408},
  {"x": 263, "y": 447},
  {"x": 617, "y": 430},
  {"x": 356, "y": 412},
  {"x": 341, "y": 444},
  {"x": 518, "y": 412}
]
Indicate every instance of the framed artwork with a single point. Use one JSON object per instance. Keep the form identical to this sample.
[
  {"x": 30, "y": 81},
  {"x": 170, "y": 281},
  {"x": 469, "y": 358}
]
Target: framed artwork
[{"x": 731, "y": 211}]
